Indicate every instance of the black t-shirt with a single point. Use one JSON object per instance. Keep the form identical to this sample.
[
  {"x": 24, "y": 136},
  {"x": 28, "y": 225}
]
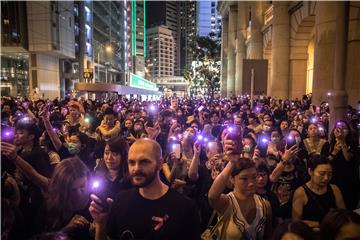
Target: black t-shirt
[{"x": 172, "y": 216}]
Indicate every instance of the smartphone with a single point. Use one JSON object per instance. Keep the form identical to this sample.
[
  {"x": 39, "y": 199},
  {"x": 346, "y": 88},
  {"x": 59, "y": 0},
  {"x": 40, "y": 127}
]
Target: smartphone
[
  {"x": 263, "y": 144},
  {"x": 7, "y": 135},
  {"x": 213, "y": 147},
  {"x": 176, "y": 148},
  {"x": 200, "y": 108},
  {"x": 290, "y": 142},
  {"x": 150, "y": 120},
  {"x": 98, "y": 187},
  {"x": 234, "y": 133}
]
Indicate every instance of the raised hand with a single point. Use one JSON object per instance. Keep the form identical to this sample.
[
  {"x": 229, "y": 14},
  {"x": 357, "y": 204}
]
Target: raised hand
[
  {"x": 96, "y": 210},
  {"x": 153, "y": 132}
]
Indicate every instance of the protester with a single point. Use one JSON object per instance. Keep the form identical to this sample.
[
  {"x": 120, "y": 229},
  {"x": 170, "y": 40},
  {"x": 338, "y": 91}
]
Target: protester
[
  {"x": 340, "y": 224},
  {"x": 274, "y": 139},
  {"x": 314, "y": 199},
  {"x": 153, "y": 210}
]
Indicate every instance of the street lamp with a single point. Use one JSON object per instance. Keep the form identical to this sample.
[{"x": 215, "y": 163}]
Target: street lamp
[{"x": 108, "y": 49}]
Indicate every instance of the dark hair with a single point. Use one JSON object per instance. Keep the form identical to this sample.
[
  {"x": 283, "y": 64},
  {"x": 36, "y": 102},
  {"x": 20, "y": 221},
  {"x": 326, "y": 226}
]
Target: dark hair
[
  {"x": 120, "y": 145},
  {"x": 262, "y": 167},
  {"x": 252, "y": 140},
  {"x": 31, "y": 128},
  {"x": 58, "y": 204},
  {"x": 316, "y": 160},
  {"x": 334, "y": 220},
  {"x": 110, "y": 111},
  {"x": 243, "y": 163},
  {"x": 293, "y": 226}
]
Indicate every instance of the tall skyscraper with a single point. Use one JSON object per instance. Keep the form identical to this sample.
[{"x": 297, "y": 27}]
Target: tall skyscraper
[
  {"x": 135, "y": 35},
  {"x": 188, "y": 26},
  {"x": 160, "y": 52},
  {"x": 108, "y": 38},
  {"x": 208, "y": 19},
  {"x": 180, "y": 18}
]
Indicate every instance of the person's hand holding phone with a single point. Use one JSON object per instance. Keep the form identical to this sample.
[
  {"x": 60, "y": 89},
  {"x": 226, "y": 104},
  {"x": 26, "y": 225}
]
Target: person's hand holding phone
[
  {"x": 44, "y": 112},
  {"x": 98, "y": 212},
  {"x": 9, "y": 150},
  {"x": 197, "y": 148}
]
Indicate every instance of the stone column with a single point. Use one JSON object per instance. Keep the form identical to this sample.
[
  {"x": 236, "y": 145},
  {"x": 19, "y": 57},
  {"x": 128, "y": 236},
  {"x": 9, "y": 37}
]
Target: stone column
[
  {"x": 324, "y": 54},
  {"x": 224, "y": 40},
  {"x": 231, "y": 51},
  {"x": 338, "y": 102},
  {"x": 256, "y": 41},
  {"x": 240, "y": 46},
  {"x": 353, "y": 53},
  {"x": 279, "y": 86}
]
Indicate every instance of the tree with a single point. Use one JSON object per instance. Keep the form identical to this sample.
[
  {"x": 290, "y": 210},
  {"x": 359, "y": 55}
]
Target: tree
[{"x": 204, "y": 73}]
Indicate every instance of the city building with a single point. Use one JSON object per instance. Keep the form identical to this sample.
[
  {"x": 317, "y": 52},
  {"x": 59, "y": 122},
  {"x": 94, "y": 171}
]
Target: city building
[
  {"x": 309, "y": 47},
  {"x": 180, "y": 18},
  {"x": 109, "y": 41},
  {"x": 135, "y": 35},
  {"x": 208, "y": 19},
  {"x": 160, "y": 52},
  {"x": 34, "y": 37},
  {"x": 188, "y": 30},
  {"x": 85, "y": 42}
]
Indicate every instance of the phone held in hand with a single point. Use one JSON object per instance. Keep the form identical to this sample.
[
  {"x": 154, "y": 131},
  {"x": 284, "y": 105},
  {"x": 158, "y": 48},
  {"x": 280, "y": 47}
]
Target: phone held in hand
[
  {"x": 235, "y": 134},
  {"x": 99, "y": 188},
  {"x": 290, "y": 142},
  {"x": 176, "y": 148},
  {"x": 263, "y": 144}
]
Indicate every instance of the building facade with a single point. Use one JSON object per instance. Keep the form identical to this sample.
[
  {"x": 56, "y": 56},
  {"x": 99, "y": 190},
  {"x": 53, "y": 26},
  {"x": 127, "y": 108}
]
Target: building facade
[
  {"x": 34, "y": 37},
  {"x": 79, "y": 41},
  {"x": 310, "y": 47},
  {"x": 135, "y": 35},
  {"x": 208, "y": 19},
  {"x": 188, "y": 30},
  {"x": 108, "y": 41},
  {"x": 301, "y": 42},
  {"x": 160, "y": 52}
]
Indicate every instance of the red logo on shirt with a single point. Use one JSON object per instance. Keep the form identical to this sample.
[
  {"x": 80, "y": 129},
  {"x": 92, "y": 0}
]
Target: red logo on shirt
[{"x": 159, "y": 221}]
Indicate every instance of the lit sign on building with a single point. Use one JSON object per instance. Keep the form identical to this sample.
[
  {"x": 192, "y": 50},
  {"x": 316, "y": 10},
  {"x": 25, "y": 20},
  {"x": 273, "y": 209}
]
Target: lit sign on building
[{"x": 139, "y": 82}]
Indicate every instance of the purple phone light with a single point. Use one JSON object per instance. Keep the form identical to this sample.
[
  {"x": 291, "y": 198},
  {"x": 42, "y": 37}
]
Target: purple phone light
[
  {"x": 152, "y": 108},
  {"x": 230, "y": 129},
  {"x": 290, "y": 137},
  {"x": 25, "y": 119},
  {"x": 206, "y": 139},
  {"x": 313, "y": 120},
  {"x": 96, "y": 184},
  {"x": 264, "y": 140},
  {"x": 200, "y": 137}
]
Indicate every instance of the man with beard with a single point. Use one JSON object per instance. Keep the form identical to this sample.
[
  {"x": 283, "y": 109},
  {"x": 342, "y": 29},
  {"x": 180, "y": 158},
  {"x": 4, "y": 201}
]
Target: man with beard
[{"x": 150, "y": 211}]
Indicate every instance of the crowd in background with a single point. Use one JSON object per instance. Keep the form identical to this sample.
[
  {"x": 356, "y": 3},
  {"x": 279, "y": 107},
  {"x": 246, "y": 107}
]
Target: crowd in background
[{"x": 301, "y": 174}]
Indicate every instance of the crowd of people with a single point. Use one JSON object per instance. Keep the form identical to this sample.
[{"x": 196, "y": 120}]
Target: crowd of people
[{"x": 178, "y": 168}]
